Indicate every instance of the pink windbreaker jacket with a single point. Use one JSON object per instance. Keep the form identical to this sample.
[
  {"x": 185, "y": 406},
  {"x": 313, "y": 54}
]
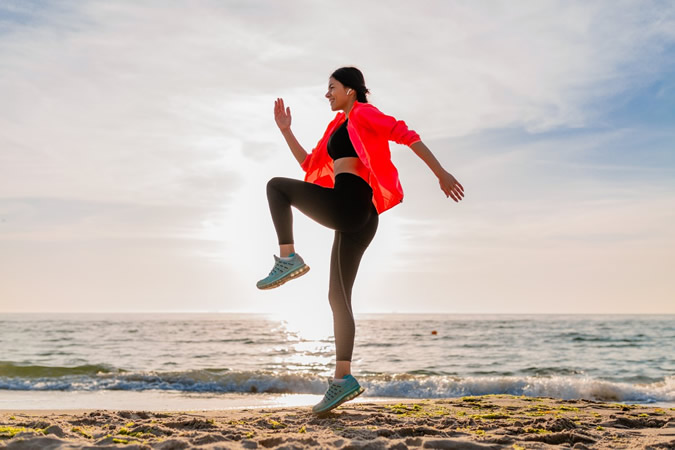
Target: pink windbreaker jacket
[{"x": 370, "y": 131}]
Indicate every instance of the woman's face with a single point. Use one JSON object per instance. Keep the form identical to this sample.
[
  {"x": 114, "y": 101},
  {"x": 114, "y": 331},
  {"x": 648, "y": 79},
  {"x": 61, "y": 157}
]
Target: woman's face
[{"x": 338, "y": 95}]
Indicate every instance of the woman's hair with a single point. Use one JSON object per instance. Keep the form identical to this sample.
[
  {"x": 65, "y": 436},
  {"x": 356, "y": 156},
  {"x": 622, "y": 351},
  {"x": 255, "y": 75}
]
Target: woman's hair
[{"x": 353, "y": 78}]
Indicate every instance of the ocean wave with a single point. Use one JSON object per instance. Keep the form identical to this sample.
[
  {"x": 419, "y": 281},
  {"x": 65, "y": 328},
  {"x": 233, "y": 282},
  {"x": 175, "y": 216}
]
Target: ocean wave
[
  {"x": 9, "y": 369},
  {"x": 560, "y": 386},
  {"x": 576, "y": 337},
  {"x": 411, "y": 385}
]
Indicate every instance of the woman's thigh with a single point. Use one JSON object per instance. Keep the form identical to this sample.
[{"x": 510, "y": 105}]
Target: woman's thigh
[{"x": 326, "y": 206}]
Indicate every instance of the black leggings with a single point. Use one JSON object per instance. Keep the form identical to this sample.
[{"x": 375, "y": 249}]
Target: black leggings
[{"x": 349, "y": 210}]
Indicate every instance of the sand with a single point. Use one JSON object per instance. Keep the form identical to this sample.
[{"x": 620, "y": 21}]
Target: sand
[{"x": 492, "y": 421}]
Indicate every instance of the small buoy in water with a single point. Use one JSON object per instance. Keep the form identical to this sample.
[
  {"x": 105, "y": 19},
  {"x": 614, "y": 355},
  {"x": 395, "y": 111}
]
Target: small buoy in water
[{"x": 434, "y": 332}]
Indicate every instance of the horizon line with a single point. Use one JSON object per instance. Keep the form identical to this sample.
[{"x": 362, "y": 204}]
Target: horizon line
[{"x": 355, "y": 313}]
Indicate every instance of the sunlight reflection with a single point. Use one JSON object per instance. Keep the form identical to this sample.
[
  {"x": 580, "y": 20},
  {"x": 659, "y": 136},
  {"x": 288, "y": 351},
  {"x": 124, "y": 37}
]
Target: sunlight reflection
[
  {"x": 308, "y": 361},
  {"x": 310, "y": 341},
  {"x": 306, "y": 327}
]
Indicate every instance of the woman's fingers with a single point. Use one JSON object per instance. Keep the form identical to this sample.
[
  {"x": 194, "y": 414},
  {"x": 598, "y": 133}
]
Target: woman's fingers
[
  {"x": 457, "y": 194},
  {"x": 456, "y": 188},
  {"x": 279, "y": 109},
  {"x": 452, "y": 195},
  {"x": 453, "y": 190},
  {"x": 278, "y": 106}
]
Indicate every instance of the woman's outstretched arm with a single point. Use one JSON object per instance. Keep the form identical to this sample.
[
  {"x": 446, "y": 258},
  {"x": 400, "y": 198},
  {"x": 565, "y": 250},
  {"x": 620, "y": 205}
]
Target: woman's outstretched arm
[
  {"x": 448, "y": 183},
  {"x": 283, "y": 119}
]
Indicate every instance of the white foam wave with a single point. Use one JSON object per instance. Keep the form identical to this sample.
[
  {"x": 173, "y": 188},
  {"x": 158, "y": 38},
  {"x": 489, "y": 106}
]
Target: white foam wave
[
  {"x": 565, "y": 387},
  {"x": 404, "y": 385}
]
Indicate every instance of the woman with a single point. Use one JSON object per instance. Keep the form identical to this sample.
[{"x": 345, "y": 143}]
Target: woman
[{"x": 349, "y": 181}]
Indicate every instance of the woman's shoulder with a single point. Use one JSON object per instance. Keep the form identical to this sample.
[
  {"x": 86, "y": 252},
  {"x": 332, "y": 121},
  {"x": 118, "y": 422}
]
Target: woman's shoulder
[
  {"x": 364, "y": 109},
  {"x": 370, "y": 116},
  {"x": 365, "y": 113}
]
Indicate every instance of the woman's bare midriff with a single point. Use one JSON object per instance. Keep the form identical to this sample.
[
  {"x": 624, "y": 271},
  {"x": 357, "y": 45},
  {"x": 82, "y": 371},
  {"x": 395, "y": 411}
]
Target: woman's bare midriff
[{"x": 353, "y": 165}]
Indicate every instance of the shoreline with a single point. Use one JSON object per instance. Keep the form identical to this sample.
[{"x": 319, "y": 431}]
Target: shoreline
[
  {"x": 490, "y": 421},
  {"x": 14, "y": 401}
]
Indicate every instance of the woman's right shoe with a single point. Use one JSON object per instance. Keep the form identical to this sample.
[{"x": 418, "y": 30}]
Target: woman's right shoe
[
  {"x": 283, "y": 271},
  {"x": 337, "y": 394}
]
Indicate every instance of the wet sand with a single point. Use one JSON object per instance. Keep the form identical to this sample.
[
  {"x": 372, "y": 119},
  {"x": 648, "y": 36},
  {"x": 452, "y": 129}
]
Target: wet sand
[{"x": 492, "y": 421}]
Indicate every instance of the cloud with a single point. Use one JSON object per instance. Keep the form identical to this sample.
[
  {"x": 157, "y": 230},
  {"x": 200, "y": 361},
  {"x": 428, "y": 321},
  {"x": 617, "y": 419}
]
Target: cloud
[
  {"x": 152, "y": 121},
  {"x": 53, "y": 219}
]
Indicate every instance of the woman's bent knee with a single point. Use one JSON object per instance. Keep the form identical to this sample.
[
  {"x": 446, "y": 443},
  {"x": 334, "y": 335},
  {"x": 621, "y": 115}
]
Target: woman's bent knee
[
  {"x": 273, "y": 183},
  {"x": 276, "y": 184}
]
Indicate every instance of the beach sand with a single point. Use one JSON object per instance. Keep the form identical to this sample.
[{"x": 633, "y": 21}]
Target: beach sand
[{"x": 492, "y": 421}]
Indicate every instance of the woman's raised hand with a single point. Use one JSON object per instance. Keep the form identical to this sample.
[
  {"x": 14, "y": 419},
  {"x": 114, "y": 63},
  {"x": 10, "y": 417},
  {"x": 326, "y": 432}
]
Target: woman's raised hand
[
  {"x": 451, "y": 186},
  {"x": 282, "y": 116}
]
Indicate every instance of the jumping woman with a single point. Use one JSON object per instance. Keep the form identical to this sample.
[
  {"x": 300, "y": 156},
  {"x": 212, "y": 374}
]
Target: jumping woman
[{"x": 350, "y": 180}]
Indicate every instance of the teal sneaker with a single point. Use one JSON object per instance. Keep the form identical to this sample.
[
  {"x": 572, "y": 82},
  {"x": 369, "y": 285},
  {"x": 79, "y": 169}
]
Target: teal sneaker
[
  {"x": 283, "y": 271},
  {"x": 337, "y": 394}
]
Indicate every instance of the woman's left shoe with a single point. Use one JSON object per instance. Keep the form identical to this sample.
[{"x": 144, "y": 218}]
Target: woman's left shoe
[
  {"x": 337, "y": 394},
  {"x": 284, "y": 269}
]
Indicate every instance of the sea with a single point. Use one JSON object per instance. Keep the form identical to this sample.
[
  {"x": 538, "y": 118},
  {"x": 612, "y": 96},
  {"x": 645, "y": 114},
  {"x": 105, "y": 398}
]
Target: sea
[{"x": 206, "y": 361}]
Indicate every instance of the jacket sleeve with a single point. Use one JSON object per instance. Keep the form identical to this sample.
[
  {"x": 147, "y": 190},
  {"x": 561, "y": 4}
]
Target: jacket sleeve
[
  {"x": 307, "y": 162},
  {"x": 395, "y": 130}
]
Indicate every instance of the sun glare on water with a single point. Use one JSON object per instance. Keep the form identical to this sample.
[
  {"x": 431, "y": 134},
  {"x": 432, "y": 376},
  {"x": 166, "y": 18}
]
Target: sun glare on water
[
  {"x": 310, "y": 338},
  {"x": 305, "y": 327}
]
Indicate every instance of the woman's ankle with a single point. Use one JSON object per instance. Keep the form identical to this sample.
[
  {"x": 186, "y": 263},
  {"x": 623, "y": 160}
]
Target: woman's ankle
[
  {"x": 342, "y": 369},
  {"x": 286, "y": 250}
]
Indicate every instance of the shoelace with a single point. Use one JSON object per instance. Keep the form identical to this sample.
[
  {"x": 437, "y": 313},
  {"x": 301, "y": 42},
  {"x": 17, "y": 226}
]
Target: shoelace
[
  {"x": 280, "y": 266},
  {"x": 333, "y": 390}
]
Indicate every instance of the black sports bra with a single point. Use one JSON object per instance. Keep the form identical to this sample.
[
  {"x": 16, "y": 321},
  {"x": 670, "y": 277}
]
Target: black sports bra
[{"x": 339, "y": 144}]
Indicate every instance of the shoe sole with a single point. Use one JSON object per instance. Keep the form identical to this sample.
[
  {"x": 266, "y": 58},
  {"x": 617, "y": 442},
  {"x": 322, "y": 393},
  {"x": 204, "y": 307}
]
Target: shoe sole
[
  {"x": 351, "y": 396},
  {"x": 291, "y": 276}
]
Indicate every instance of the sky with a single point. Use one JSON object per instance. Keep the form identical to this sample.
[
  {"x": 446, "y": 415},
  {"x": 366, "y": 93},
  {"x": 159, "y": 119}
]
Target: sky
[{"x": 137, "y": 138}]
